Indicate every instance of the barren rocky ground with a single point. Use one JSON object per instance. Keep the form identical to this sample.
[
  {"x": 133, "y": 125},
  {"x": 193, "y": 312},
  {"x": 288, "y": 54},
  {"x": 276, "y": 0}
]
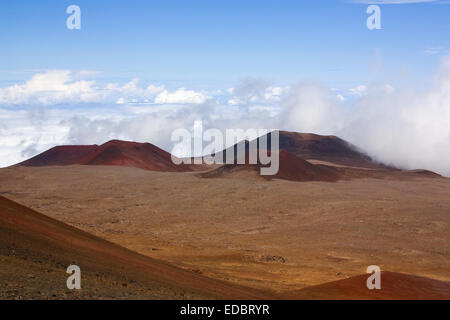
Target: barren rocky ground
[{"x": 278, "y": 235}]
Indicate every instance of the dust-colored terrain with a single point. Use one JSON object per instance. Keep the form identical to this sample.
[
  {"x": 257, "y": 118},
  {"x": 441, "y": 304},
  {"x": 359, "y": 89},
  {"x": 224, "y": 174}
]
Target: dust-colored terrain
[
  {"x": 276, "y": 235},
  {"x": 310, "y": 231},
  {"x": 35, "y": 250},
  {"x": 112, "y": 153},
  {"x": 395, "y": 286}
]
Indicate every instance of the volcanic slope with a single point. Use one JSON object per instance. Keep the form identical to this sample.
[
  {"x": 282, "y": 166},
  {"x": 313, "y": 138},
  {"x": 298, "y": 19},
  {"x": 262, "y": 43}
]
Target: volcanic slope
[
  {"x": 147, "y": 156},
  {"x": 294, "y": 168},
  {"x": 394, "y": 286},
  {"x": 115, "y": 152},
  {"x": 60, "y": 156},
  {"x": 291, "y": 168},
  {"x": 35, "y": 251},
  {"x": 325, "y": 148},
  {"x": 310, "y": 146}
]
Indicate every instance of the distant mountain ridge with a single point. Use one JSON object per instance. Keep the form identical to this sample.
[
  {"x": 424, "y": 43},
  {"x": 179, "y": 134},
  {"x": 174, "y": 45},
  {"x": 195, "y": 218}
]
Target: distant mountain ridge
[
  {"x": 333, "y": 149},
  {"x": 44, "y": 243},
  {"x": 291, "y": 168},
  {"x": 115, "y": 152},
  {"x": 303, "y": 146},
  {"x": 309, "y": 146},
  {"x": 60, "y": 156}
]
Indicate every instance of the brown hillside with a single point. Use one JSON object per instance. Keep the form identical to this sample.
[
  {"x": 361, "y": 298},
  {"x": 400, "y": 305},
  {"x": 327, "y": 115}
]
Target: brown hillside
[
  {"x": 115, "y": 152},
  {"x": 394, "y": 286},
  {"x": 41, "y": 244},
  {"x": 291, "y": 168}
]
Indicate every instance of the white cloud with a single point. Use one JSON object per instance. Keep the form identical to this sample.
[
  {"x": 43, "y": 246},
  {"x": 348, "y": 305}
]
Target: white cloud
[
  {"x": 255, "y": 91},
  {"x": 52, "y": 87},
  {"x": 64, "y": 86},
  {"x": 388, "y": 88},
  {"x": 407, "y": 128},
  {"x": 121, "y": 101},
  {"x": 273, "y": 93},
  {"x": 181, "y": 96},
  {"x": 83, "y": 74},
  {"x": 358, "y": 90},
  {"x": 310, "y": 108},
  {"x": 433, "y": 50}
]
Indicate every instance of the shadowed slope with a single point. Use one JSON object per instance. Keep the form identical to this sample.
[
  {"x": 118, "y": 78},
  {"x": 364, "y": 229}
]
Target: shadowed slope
[
  {"x": 296, "y": 169},
  {"x": 147, "y": 156},
  {"x": 326, "y": 148},
  {"x": 310, "y": 146},
  {"x": 291, "y": 168},
  {"x": 60, "y": 156},
  {"x": 35, "y": 239}
]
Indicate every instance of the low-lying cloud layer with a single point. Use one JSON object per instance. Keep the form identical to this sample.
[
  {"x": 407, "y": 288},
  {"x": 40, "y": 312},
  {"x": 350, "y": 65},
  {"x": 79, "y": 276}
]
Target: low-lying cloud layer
[
  {"x": 64, "y": 86},
  {"x": 406, "y": 128}
]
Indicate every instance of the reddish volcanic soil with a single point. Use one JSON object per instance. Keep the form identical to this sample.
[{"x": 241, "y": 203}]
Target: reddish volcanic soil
[
  {"x": 132, "y": 154},
  {"x": 115, "y": 152},
  {"x": 296, "y": 169},
  {"x": 393, "y": 286},
  {"x": 291, "y": 168},
  {"x": 60, "y": 156},
  {"x": 310, "y": 146},
  {"x": 275, "y": 235},
  {"x": 308, "y": 232},
  {"x": 149, "y": 157},
  {"x": 272, "y": 235},
  {"x": 38, "y": 248}
]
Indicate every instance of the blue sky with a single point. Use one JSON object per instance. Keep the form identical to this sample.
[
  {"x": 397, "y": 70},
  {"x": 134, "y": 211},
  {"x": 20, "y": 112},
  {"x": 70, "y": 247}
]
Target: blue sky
[
  {"x": 217, "y": 42},
  {"x": 139, "y": 69}
]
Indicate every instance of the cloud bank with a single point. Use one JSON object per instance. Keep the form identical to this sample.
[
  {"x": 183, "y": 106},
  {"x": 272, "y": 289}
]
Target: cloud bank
[
  {"x": 64, "y": 86},
  {"x": 406, "y": 128}
]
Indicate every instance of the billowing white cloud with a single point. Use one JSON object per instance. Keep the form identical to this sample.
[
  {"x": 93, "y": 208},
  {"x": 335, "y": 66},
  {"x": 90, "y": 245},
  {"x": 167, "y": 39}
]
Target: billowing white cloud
[
  {"x": 273, "y": 93},
  {"x": 181, "y": 96},
  {"x": 433, "y": 50},
  {"x": 52, "y": 87},
  {"x": 406, "y": 128},
  {"x": 310, "y": 108},
  {"x": 255, "y": 91},
  {"x": 64, "y": 86},
  {"x": 358, "y": 90}
]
